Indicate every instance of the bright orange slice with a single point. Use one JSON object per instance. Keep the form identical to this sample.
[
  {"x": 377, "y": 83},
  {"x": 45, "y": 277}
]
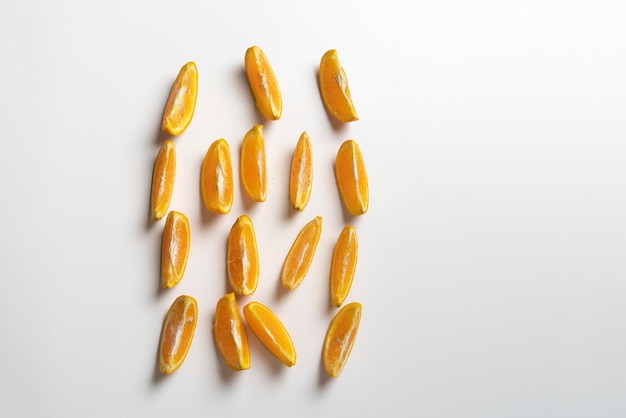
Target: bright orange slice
[
  {"x": 242, "y": 258},
  {"x": 177, "y": 333},
  {"x": 343, "y": 265},
  {"x": 301, "y": 178},
  {"x": 334, "y": 88},
  {"x": 271, "y": 332},
  {"x": 263, "y": 83},
  {"x": 352, "y": 178},
  {"x": 182, "y": 100},
  {"x": 174, "y": 249},
  {"x": 252, "y": 165},
  {"x": 230, "y": 335},
  {"x": 216, "y": 178},
  {"x": 301, "y": 253},
  {"x": 340, "y": 338},
  {"x": 163, "y": 180}
]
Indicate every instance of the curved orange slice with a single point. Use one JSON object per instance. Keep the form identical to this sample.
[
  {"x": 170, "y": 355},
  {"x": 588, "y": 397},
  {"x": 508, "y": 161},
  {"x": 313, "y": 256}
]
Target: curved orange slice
[
  {"x": 174, "y": 249},
  {"x": 301, "y": 254},
  {"x": 216, "y": 178},
  {"x": 177, "y": 333},
  {"x": 301, "y": 178},
  {"x": 334, "y": 88},
  {"x": 263, "y": 83},
  {"x": 242, "y": 258},
  {"x": 271, "y": 332},
  {"x": 252, "y": 165},
  {"x": 181, "y": 102},
  {"x": 230, "y": 335},
  {"x": 340, "y": 338},
  {"x": 163, "y": 180},
  {"x": 343, "y": 265},
  {"x": 352, "y": 178}
]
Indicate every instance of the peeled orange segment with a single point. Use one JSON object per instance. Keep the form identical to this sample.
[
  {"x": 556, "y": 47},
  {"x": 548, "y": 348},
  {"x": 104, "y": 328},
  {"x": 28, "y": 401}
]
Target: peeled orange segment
[
  {"x": 242, "y": 258},
  {"x": 343, "y": 265},
  {"x": 230, "y": 335},
  {"x": 352, "y": 178},
  {"x": 182, "y": 100},
  {"x": 163, "y": 180},
  {"x": 334, "y": 88},
  {"x": 340, "y": 338},
  {"x": 174, "y": 249},
  {"x": 177, "y": 333},
  {"x": 301, "y": 178},
  {"x": 263, "y": 83},
  {"x": 216, "y": 178},
  {"x": 253, "y": 171},
  {"x": 271, "y": 332},
  {"x": 301, "y": 254}
]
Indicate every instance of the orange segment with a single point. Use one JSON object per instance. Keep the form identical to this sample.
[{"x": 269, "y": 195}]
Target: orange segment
[
  {"x": 230, "y": 335},
  {"x": 242, "y": 258},
  {"x": 163, "y": 180},
  {"x": 301, "y": 178},
  {"x": 343, "y": 265},
  {"x": 177, "y": 333},
  {"x": 340, "y": 338},
  {"x": 334, "y": 88},
  {"x": 216, "y": 178},
  {"x": 301, "y": 254},
  {"x": 352, "y": 178},
  {"x": 182, "y": 100},
  {"x": 271, "y": 332},
  {"x": 253, "y": 164},
  {"x": 174, "y": 249},
  {"x": 263, "y": 83}
]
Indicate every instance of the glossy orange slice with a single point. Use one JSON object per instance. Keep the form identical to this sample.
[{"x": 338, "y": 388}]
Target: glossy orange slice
[
  {"x": 340, "y": 338},
  {"x": 334, "y": 88},
  {"x": 263, "y": 83},
  {"x": 177, "y": 333},
  {"x": 271, "y": 332},
  {"x": 252, "y": 167},
  {"x": 163, "y": 176},
  {"x": 301, "y": 177},
  {"x": 174, "y": 249},
  {"x": 230, "y": 335},
  {"x": 301, "y": 254},
  {"x": 352, "y": 178},
  {"x": 182, "y": 100},
  {"x": 343, "y": 265},
  {"x": 242, "y": 258},
  {"x": 216, "y": 178}
]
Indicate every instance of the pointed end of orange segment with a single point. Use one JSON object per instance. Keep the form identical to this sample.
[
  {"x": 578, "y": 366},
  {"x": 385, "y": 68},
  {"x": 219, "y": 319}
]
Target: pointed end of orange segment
[
  {"x": 334, "y": 89},
  {"x": 181, "y": 102},
  {"x": 301, "y": 254}
]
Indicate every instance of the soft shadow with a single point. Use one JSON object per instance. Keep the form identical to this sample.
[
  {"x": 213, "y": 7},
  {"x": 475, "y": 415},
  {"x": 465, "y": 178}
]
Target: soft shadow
[
  {"x": 323, "y": 379},
  {"x": 243, "y": 78},
  {"x": 280, "y": 291},
  {"x": 157, "y": 376},
  {"x": 336, "y": 125},
  {"x": 258, "y": 351}
]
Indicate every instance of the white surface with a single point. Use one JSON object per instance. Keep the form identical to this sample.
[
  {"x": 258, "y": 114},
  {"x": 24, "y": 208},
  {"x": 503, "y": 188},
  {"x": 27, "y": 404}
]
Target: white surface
[{"x": 491, "y": 270}]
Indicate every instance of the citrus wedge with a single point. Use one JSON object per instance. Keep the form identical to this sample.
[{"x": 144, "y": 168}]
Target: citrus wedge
[
  {"x": 252, "y": 165},
  {"x": 216, "y": 178},
  {"x": 334, "y": 88},
  {"x": 230, "y": 335},
  {"x": 301, "y": 254},
  {"x": 301, "y": 177},
  {"x": 174, "y": 249},
  {"x": 263, "y": 83},
  {"x": 181, "y": 102},
  {"x": 351, "y": 178},
  {"x": 179, "y": 326},
  {"x": 242, "y": 258},
  {"x": 163, "y": 176},
  {"x": 343, "y": 265},
  {"x": 340, "y": 338},
  {"x": 271, "y": 332}
]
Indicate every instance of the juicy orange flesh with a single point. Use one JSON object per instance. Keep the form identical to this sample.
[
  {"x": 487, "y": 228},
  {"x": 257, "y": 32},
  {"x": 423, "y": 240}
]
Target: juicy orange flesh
[
  {"x": 181, "y": 102},
  {"x": 230, "y": 335},
  {"x": 301, "y": 254},
  {"x": 301, "y": 176},
  {"x": 340, "y": 338},
  {"x": 343, "y": 265},
  {"x": 334, "y": 88},
  {"x": 217, "y": 178},
  {"x": 242, "y": 260},
  {"x": 253, "y": 164},
  {"x": 175, "y": 248},
  {"x": 352, "y": 178},
  {"x": 177, "y": 333},
  {"x": 263, "y": 83},
  {"x": 163, "y": 180},
  {"x": 271, "y": 332}
]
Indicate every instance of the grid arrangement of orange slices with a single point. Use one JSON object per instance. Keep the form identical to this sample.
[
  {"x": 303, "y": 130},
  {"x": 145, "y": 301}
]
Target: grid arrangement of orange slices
[{"x": 242, "y": 259}]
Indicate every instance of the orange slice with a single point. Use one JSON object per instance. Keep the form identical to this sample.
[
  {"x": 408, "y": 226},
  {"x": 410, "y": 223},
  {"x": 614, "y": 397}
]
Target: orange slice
[
  {"x": 340, "y": 338},
  {"x": 263, "y": 83},
  {"x": 163, "y": 180},
  {"x": 182, "y": 100},
  {"x": 230, "y": 335},
  {"x": 300, "y": 254},
  {"x": 253, "y": 164},
  {"x": 174, "y": 249},
  {"x": 242, "y": 258},
  {"x": 177, "y": 333},
  {"x": 301, "y": 178},
  {"x": 343, "y": 265},
  {"x": 352, "y": 178},
  {"x": 334, "y": 88},
  {"x": 271, "y": 332},
  {"x": 216, "y": 178}
]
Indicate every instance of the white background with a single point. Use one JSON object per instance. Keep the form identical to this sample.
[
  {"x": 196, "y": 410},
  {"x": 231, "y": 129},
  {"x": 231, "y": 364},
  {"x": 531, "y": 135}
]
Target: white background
[{"x": 492, "y": 266}]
